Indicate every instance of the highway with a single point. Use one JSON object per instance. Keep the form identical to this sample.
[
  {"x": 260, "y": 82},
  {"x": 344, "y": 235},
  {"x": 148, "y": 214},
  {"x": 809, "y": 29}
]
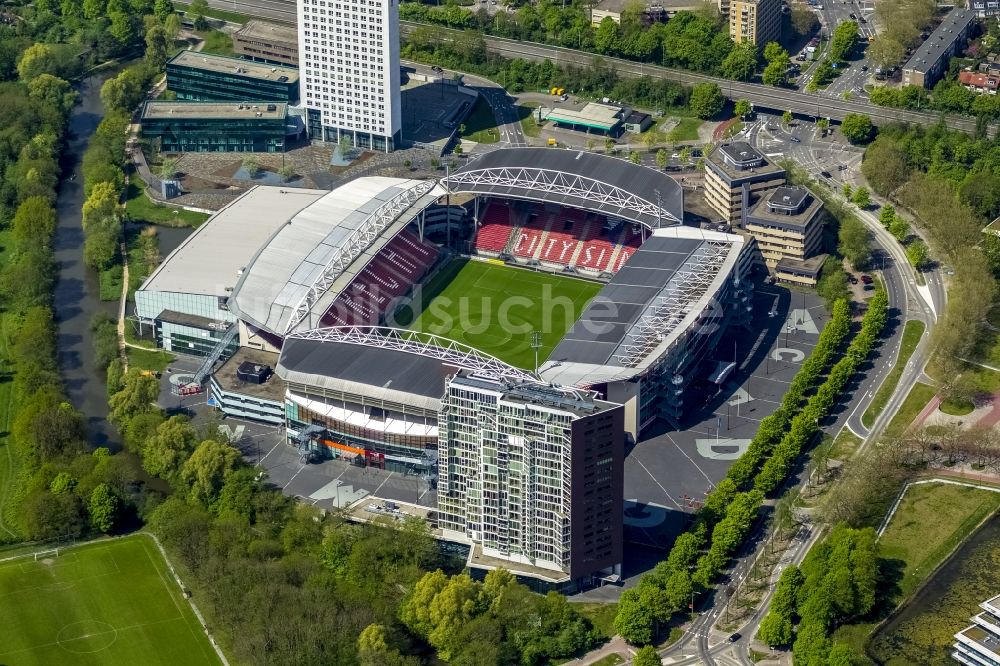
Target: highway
[{"x": 763, "y": 97}]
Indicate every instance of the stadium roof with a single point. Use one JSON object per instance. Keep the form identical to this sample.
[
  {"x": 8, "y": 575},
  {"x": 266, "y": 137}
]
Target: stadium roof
[
  {"x": 575, "y": 178},
  {"x": 209, "y": 260},
  {"x": 293, "y": 279},
  {"x": 379, "y": 374},
  {"x": 660, "y": 293}
]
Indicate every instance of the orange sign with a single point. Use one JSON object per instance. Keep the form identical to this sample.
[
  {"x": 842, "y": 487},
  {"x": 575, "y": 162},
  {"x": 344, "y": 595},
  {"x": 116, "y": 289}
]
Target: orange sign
[{"x": 342, "y": 447}]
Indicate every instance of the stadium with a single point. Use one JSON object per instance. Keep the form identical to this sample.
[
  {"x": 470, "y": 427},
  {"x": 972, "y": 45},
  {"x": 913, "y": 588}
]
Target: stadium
[{"x": 545, "y": 294}]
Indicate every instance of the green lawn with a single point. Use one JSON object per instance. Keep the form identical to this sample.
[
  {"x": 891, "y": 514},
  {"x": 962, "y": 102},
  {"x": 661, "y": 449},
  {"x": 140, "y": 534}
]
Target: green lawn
[
  {"x": 602, "y": 616},
  {"x": 915, "y": 401},
  {"x": 108, "y": 603},
  {"x": 845, "y": 445},
  {"x": 141, "y": 209},
  {"x": 529, "y": 120},
  {"x": 911, "y": 336},
  {"x": 155, "y": 360},
  {"x": 495, "y": 308},
  {"x": 957, "y": 407},
  {"x": 217, "y": 42},
  {"x": 931, "y": 520},
  {"x": 685, "y": 130},
  {"x": 481, "y": 125},
  {"x": 10, "y": 461},
  {"x": 610, "y": 660}
]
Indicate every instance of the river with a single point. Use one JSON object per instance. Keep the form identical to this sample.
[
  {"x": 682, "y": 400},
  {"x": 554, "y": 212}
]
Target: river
[{"x": 76, "y": 298}]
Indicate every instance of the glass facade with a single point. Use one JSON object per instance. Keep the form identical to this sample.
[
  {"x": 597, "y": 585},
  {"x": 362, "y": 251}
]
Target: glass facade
[
  {"x": 217, "y": 134},
  {"x": 210, "y": 85},
  {"x": 190, "y": 340}
]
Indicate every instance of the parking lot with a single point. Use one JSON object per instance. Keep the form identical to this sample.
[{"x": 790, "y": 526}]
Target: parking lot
[{"x": 669, "y": 472}]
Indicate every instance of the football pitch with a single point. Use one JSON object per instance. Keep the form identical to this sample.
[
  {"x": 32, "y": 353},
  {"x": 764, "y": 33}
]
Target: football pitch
[
  {"x": 112, "y": 602},
  {"x": 495, "y": 308}
]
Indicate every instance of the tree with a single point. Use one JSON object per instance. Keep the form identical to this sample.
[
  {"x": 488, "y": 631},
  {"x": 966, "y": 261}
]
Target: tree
[
  {"x": 856, "y": 127},
  {"x": 251, "y": 167},
  {"x": 172, "y": 25},
  {"x": 887, "y": 215},
  {"x": 287, "y": 172},
  {"x": 168, "y": 168},
  {"x": 162, "y": 10},
  {"x": 635, "y": 620},
  {"x": 646, "y": 656},
  {"x": 138, "y": 396},
  {"x": 742, "y": 108},
  {"x": 843, "y": 41},
  {"x": 652, "y": 137},
  {"x": 775, "y": 74},
  {"x": 899, "y": 229},
  {"x": 741, "y": 62},
  {"x": 62, "y": 483},
  {"x": 609, "y": 145},
  {"x": 916, "y": 253},
  {"x": 50, "y": 89},
  {"x": 168, "y": 449},
  {"x": 786, "y": 118},
  {"x": 885, "y": 166},
  {"x": 706, "y": 100},
  {"x": 861, "y": 197},
  {"x": 157, "y": 46},
  {"x": 634, "y": 157},
  {"x": 207, "y": 468},
  {"x": 847, "y": 191},
  {"x": 37, "y": 59},
  {"x": 775, "y": 629},
  {"x": 823, "y": 124},
  {"x": 196, "y": 11},
  {"x": 662, "y": 158},
  {"x": 854, "y": 241},
  {"x": 103, "y": 507}
]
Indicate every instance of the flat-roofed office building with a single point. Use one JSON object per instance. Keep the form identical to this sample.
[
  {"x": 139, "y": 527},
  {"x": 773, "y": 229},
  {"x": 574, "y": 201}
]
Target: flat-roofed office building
[
  {"x": 736, "y": 176},
  {"x": 215, "y": 127},
  {"x": 268, "y": 42},
  {"x": 787, "y": 223},
  {"x": 212, "y": 78}
]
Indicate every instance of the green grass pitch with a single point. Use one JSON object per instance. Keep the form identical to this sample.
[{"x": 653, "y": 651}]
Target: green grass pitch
[
  {"x": 495, "y": 308},
  {"x": 107, "y": 603}
]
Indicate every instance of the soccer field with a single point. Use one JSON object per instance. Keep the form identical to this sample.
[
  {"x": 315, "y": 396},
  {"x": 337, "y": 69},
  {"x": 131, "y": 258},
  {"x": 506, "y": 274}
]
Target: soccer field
[
  {"x": 495, "y": 308},
  {"x": 109, "y": 603}
]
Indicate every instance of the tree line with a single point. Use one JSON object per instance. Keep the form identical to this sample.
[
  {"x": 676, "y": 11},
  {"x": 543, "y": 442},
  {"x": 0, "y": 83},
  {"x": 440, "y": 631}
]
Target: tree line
[
  {"x": 951, "y": 183},
  {"x": 722, "y": 525}
]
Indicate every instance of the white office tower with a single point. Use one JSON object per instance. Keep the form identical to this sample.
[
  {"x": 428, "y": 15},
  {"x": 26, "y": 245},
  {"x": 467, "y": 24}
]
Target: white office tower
[{"x": 349, "y": 71}]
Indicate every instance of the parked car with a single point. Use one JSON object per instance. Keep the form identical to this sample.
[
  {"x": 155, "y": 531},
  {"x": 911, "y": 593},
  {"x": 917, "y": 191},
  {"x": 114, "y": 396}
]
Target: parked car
[
  {"x": 852, "y": 279},
  {"x": 867, "y": 279},
  {"x": 735, "y": 637}
]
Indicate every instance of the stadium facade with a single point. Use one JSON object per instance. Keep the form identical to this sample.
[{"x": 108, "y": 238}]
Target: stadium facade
[{"x": 527, "y": 466}]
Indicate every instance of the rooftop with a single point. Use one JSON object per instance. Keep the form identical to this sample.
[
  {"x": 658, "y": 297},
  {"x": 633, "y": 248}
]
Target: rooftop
[
  {"x": 158, "y": 110},
  {"x": 237, "y": 66},
  {"x": 308, "y": 251},
  {"x": 785, "y": 198},
  {"x": 209, "y": 260},
  {"x": 575, "y": 178},
  {"x": 660, "y": 292},
  {"x": 675, "y": 5},
  {"x": 268, "y": 31},
  {"x": 810, "y": 267},
  {"x": 940, "y": 41},
  {"x": 980, "y": 80},
  {"x": 575, "y": 402},
  {"x": 382, "y": 374},
  {"x": 273, "y": 389},
  {"x": 724, "y": 160},
  {"x": 593, "y": 114}
]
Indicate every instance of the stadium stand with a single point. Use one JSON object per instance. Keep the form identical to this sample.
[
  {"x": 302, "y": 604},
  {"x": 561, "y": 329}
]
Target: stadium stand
[
  {"x": 496, "y": 228},
  {"x": 400, "y": 265}
]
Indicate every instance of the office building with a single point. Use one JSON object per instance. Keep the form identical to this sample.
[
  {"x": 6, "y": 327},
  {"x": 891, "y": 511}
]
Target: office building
[
  {"x": 984, "y": 8},
  {"x": 929, "y": 62},
  {"x": 787, "y": 223},
  {"x": 979, "y": 644},
  {"x": 212, "y": 127},
  {"x": 757, "y": 21},
  {"x": 736, "y": 176},
  {"x": 532, "y": 477},
  {"x": 212, "y": 78},
  {"x": 268, "y": 42},
  {"x": 349, "y": 58}
]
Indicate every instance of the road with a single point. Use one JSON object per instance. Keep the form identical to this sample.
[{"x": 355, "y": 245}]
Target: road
[{"x": 763, "y": 97}]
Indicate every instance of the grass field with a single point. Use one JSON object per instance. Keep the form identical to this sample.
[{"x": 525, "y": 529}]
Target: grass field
[
  {"x": 911, "y": 336},
  {"x": 481, "y": 125},
  {"x": 141, "y": 209},
  {"x": 931, "y": 521},
  {"x": 916, "y": 400},
  {"x": 529, "y": 124},
  {"x": 108, "y": 603},
  {"x": 495, "y": 308},
  {"x": 845, "y": 445},
  {"x": 10, "y": 460},
  {"x": 685, "y": 130}
]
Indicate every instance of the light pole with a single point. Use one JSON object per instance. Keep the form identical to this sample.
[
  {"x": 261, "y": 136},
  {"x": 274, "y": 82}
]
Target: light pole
[{"x": 536, "y": 343}]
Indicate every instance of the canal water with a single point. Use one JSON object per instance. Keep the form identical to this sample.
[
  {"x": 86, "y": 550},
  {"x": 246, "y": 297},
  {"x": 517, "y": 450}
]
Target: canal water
[
  {"x": 76, "y": 298},
  {"x": 77, "y": 293}
]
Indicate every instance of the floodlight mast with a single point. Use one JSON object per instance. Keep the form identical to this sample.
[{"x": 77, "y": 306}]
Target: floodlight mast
[{"x": 536, "y": 344}]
